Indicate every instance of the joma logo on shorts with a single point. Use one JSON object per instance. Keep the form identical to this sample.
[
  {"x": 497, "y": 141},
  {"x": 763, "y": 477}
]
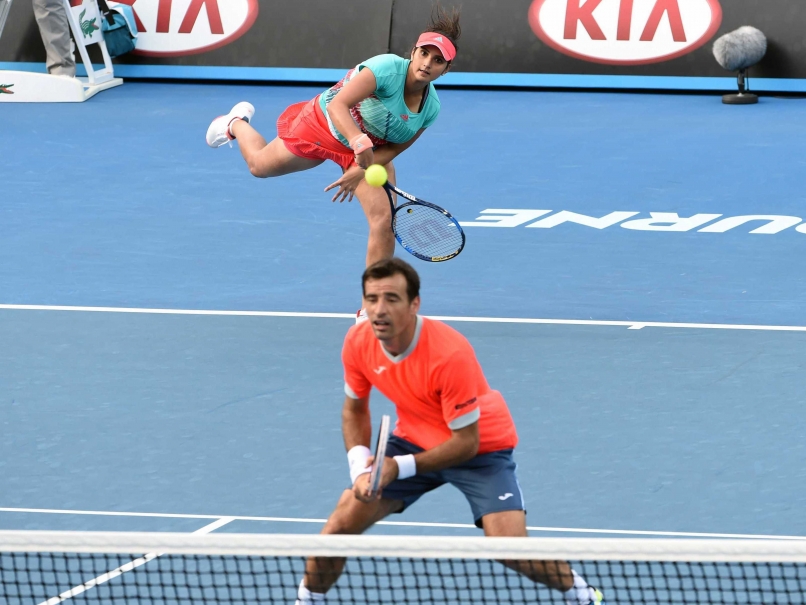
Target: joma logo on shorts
[
  {"x": 760, "y": 224},
  {"x": 175, "y": 28}
]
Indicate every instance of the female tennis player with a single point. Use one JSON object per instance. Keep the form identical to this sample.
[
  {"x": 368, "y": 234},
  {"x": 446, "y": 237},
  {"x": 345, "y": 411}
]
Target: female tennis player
[{"x": 376, "y": 112}]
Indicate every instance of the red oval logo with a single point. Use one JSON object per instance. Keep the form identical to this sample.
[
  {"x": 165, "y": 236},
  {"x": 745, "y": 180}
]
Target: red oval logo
[
  {"x": 177, "y": 28},
  {"x": 625, "y": 32}
]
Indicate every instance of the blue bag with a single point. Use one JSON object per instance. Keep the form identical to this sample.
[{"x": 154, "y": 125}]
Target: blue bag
[{"x": 119, "y": 28}]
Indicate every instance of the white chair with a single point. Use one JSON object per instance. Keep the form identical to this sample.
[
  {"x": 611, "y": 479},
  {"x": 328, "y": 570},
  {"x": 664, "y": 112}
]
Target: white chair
[{"x": 30, "y": 87}]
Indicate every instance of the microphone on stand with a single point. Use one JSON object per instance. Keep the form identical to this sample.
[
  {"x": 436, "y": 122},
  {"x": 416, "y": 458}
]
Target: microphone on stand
[{"x": 738, "y": 51}]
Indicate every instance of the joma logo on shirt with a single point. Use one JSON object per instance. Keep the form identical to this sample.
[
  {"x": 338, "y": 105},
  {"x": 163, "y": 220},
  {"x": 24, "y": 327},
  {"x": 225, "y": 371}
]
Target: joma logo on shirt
[{"x": 465, "y": 404}]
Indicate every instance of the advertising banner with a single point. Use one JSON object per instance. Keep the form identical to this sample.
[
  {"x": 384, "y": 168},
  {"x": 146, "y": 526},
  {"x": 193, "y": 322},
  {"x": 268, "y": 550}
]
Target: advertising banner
[
  {"x": 233, "y": 33},
  {"x": 179, "y": 29},
  {"x": 625, "y": 32},
  {"x": 502, "y": 42},
  {"x": 613, "y": 37}
]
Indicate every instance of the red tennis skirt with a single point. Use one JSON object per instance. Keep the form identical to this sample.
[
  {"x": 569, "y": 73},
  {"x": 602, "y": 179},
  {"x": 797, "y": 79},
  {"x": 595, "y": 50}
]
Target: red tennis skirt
[{"x": 305, "y": 132}]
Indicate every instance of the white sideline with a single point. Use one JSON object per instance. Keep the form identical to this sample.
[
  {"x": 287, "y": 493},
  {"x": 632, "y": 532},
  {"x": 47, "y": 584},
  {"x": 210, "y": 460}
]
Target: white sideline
[
  {"x": 119, "y": 571},
  {"x": 622, "y": 532},
  {"x": 632, "y": 325}
]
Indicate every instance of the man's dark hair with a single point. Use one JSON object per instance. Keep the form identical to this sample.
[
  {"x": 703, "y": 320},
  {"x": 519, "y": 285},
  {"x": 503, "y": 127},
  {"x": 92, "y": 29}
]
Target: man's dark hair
[{"x": 390, "y": 267}]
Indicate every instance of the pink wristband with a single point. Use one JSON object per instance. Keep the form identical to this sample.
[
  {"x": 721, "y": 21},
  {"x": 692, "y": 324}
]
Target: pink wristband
[{"x": 360, "y": 143}]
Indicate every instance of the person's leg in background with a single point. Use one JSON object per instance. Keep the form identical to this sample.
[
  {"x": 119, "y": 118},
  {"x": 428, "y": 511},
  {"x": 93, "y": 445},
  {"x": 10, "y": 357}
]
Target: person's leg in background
[{"x": 51, "y": 16}]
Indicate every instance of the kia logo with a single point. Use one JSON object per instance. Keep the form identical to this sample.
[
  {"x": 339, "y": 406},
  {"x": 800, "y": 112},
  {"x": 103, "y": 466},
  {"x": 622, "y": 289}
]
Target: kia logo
[
  {"x": 175, "y": 28},
  {"x": 625, "y": 32}
]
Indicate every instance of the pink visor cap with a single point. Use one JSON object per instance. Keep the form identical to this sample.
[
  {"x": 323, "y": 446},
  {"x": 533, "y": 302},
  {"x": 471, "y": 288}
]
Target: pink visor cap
[{"x": 445, "y": 46}]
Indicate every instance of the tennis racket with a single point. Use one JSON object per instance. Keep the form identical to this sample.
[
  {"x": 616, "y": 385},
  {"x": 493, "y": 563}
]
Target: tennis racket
[
  {"x": 425, "y": 230},
  {"x": 380, "y": 455}
]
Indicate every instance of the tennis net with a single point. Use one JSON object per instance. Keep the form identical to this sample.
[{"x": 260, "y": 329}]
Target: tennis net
[{"x": 48, "y": 568}]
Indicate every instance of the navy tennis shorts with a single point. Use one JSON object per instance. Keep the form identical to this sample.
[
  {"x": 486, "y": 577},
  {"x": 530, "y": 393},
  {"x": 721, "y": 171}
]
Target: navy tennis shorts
[{"x": 488, "y": 481}]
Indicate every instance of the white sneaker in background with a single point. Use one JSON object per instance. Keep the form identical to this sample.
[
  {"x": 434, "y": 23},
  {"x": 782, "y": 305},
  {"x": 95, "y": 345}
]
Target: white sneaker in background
[{"x": 361, "y": 316}]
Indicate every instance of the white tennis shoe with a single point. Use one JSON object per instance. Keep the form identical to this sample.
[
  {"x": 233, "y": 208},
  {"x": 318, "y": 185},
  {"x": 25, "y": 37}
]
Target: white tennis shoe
[
  {"x": 219, "y": 132},
  {"x": 361, "y": 316}
]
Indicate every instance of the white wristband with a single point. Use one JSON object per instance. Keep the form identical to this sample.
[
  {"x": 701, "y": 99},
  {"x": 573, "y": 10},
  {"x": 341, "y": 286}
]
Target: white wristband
[
  {"x": 406, "y": 466},
  {"x": 357, "y": 458}
]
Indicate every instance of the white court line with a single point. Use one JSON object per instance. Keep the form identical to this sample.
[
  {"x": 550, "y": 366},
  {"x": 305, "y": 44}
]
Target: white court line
[
  {"x": 632, "y": 325},
  {"x": 176, "y": 311},
  {"x": 119, "y": 571},
  {"x": 626, "y": 532}
]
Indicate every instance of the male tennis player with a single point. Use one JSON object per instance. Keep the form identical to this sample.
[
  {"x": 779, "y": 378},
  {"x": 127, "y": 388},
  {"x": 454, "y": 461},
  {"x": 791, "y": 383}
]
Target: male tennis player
[
  {"x": 376, "y": 112},
  {"x": 451, "y": 428}
]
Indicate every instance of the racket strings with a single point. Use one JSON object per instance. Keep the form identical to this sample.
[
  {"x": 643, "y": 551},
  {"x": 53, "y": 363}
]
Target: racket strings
[{"x": 427, "y": 231}]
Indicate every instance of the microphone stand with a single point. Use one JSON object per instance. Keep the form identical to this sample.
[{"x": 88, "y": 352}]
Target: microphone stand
[{"x": 744, "y": 97}]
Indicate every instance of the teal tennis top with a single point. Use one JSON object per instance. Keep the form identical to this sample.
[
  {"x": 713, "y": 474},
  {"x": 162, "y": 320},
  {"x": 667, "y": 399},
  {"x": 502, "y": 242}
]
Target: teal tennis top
[{"x": 384, "y": 116}]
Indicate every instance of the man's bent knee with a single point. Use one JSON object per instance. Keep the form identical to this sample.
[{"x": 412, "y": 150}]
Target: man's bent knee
[
  {"x": 350, "y": 517},
  {"x": 354, "y": 517}
]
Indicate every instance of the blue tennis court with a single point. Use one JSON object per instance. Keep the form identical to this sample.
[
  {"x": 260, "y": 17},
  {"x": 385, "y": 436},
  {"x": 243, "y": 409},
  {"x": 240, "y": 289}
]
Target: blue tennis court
[{"x": 654, "y": 363}]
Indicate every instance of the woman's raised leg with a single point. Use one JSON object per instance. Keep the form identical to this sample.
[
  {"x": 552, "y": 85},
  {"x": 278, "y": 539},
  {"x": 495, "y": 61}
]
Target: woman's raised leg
[
  {"x": 267, "y": 160},
  {"x": 264, "y": 160}
]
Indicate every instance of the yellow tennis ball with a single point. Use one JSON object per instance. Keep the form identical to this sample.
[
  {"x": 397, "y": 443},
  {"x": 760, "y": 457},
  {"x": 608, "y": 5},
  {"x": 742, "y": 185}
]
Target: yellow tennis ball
[{"x": 376, "y": 175}]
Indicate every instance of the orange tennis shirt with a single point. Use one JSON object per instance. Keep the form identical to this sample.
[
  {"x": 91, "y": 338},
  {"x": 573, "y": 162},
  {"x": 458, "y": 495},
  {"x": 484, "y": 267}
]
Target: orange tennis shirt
[{"x": 436, "y": 385}]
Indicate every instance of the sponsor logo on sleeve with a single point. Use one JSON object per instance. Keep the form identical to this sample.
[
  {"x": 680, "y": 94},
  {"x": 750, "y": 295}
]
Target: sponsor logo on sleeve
[
  {"x": 625, "y": 32},
  {"x": 176, "y": 28},
  {"x": 5, "y": 89},
  {"x": 461, "y": 406}
]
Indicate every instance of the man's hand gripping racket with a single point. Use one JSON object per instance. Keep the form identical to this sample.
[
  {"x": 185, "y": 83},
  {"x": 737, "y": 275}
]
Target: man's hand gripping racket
[
  {"x": 376, "y": 474},
  {"x": 369, "y": 490}
]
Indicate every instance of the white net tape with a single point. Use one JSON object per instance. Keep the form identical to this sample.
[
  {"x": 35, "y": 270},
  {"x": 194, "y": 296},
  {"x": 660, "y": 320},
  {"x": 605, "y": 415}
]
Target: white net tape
[{"x": 433, "y": 547}]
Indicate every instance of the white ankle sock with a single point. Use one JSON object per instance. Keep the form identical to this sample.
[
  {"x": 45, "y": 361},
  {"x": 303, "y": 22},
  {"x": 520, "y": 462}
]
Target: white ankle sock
[
  {"x": 306, "y": 597},
  {"x": 580, "y": 593}
]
